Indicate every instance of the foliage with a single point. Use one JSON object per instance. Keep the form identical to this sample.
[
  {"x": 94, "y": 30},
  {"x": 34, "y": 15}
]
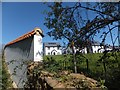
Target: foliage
[
  {"x": 33, "y": 76},
  {"x": 73, "y": 23},
  {"x": 112, "y": 71},
  {"x": 96, "y": 68},
  {"x": 0, "y": 71},
  {"x": 102, "y": 82},
  {"x": 6, "y": 79}
]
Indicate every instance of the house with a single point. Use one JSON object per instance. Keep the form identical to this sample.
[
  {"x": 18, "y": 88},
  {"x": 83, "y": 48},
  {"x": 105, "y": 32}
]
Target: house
[
  {"x": 18, "y": 52},
  {"x": 97, "y": 48},
  {"x": 52, "y": 48},
  {"x": 94, "y": 48}
]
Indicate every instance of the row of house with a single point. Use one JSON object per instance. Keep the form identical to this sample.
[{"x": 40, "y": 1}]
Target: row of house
[{"x": 54, "y": 48}]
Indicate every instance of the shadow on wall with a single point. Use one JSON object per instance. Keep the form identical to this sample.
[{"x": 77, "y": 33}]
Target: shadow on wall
[{"x": 17, "y": 55}]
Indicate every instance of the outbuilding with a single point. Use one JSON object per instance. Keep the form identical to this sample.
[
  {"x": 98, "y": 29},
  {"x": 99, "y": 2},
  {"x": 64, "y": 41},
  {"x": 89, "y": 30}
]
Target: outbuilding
[{"x": 28, "y": 47}]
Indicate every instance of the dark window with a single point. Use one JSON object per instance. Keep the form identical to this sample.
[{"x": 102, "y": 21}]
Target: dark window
[
  {"x": 54, "y": 53},
  {"x": 48, "y": 48},
  {"x": 48, "y": 53}
]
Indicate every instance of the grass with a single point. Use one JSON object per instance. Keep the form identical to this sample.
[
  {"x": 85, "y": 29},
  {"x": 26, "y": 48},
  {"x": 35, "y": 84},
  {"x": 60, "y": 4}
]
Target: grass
[{"x": 81, "y": 61}]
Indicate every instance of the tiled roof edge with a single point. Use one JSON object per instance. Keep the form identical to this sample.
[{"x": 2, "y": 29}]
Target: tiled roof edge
[{"x": 27, "y": 35}]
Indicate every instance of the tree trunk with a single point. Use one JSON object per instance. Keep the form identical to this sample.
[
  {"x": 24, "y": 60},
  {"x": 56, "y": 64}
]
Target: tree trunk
[
  {"x": 87, "y": 63},
  {"x": 119, "y": 26},
  {"x": 104, "y": 65},
  {"x": 75, "y": 63},
  {"x": 74, "y": 59}
]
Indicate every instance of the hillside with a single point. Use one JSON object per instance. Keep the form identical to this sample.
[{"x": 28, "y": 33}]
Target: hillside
[{"x": 94, "y": 70}]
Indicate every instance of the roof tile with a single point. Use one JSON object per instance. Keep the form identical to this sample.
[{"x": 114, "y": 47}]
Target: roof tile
[{"x": 27, "y": 35}]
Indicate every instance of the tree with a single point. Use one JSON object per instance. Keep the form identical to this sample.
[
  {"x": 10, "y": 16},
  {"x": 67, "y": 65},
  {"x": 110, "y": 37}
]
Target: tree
[
  {"x": 69, "y": 22},
  {"x": 73, "y": 22}
]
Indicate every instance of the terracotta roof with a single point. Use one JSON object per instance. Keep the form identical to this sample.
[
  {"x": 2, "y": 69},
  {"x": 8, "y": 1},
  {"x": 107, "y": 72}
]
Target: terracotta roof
[{"x": 27, "y": 35}]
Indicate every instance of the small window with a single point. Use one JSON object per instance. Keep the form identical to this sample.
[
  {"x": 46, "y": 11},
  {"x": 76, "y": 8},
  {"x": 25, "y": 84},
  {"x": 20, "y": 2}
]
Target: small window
[
  {"x": 48, "y": 48},
  {"x": 58, "y": 48},
  {"x": 54, "y": 53},
  {"x": 48, "y": 53}
]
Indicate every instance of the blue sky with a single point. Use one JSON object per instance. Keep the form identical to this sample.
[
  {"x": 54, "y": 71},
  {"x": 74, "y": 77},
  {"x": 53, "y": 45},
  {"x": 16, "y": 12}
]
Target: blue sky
[
  {"x": 0, "y": 23},
  {"x": 20, "y": 17}
]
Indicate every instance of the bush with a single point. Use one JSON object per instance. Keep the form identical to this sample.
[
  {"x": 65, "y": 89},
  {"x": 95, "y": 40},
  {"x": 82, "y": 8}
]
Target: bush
[{"x": 6, "y": 80}]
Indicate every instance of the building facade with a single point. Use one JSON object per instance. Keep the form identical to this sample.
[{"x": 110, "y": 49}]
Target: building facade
[
  {"x": 52, "y": 48},
  {"x": 97, "y": 48}
]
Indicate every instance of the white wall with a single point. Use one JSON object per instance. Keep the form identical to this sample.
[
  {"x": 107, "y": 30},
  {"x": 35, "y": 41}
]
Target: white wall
[
  {"x": 19, "y": 52},
  {"x": 97, "y": 49},
  {"x": 38, "y": 48},
  {"x": 109, "y": 49},
  {"x": 84, "y": 50}
]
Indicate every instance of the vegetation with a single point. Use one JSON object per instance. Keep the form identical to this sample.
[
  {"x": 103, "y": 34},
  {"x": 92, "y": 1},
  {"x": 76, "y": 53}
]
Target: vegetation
[
  {"x": 106, "y": 71},
  {"x": 0, "y": 71},
  {"x": 6, "y": 80},
  {"x": 74, "y": 23},
  {"x": 108, "y": 75},
  {"x": 39, "y": 78},
  {"x": 62, "y": 62}
]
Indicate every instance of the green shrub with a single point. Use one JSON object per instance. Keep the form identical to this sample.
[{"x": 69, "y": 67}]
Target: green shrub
[{"x": 6, "y": 80}]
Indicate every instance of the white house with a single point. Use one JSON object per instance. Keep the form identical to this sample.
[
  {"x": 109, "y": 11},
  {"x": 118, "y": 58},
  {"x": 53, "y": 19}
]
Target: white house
[
  {"x": 52, "y": 48},
  {"x": 97, "y": 48},
  {"x": 84, "y": 50},
  {"x": 27, "y": 47}
]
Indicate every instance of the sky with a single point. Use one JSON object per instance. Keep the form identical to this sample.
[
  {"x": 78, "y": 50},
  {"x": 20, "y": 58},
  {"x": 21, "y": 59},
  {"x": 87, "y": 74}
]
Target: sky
[
  {"x": 0, "y": 23},
  {"x": 19, "y": 18}
]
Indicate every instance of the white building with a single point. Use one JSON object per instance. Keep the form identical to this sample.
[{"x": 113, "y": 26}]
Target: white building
[
  {"x": 97, "y": 48},
  {"x": 26, "y": 48},
  {"x": 84, "y": 50},
  {"x": 52, "y": 48}
]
